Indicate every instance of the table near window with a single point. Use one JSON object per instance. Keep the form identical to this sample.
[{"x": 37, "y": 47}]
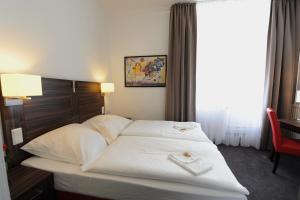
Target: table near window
[{"x": 290, "y": 124}]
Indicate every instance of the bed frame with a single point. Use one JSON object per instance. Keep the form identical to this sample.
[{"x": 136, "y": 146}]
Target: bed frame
[{"x": 63, "y": 102}]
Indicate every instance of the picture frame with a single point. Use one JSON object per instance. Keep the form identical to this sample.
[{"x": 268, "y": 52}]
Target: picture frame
[{"x": 145, "y": 71}]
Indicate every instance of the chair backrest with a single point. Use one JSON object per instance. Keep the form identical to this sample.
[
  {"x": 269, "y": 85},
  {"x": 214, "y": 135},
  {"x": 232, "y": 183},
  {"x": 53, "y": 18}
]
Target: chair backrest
[{"x": 276, "y": 131}]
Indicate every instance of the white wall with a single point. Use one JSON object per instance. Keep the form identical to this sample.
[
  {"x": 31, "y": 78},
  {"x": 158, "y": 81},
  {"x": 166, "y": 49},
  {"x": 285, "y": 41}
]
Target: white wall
[
  {"x": 137, "y": 28},
  {"x": 54, "y": 38}
]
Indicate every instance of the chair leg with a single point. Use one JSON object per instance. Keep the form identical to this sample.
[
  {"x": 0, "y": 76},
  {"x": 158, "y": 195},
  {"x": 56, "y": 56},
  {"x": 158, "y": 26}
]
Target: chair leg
[
  {"x": 272, "y": 155},
  {"x": 277, "y": 157}
]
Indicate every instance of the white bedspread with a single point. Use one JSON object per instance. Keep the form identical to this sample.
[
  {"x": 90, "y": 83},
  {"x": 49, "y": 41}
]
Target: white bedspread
[
  {"x": 166, "y": 129},
  {"x": 146, "y": 157}
]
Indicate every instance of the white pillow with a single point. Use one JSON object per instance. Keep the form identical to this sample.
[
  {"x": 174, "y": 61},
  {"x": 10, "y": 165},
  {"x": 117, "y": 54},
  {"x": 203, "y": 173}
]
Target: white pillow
[
  {"x": 110, "y": 126},
  {"x": 73, "y": 143}
]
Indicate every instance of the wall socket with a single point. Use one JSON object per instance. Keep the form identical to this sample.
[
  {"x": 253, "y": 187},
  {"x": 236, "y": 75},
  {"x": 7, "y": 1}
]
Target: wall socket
[
  {"x": 17, "y": 136},
  {"x": 13, "y": 102}
]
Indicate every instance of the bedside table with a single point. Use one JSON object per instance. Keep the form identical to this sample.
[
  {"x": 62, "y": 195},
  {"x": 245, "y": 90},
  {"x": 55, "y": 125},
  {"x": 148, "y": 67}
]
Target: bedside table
[{"x": 27, "y": 183}]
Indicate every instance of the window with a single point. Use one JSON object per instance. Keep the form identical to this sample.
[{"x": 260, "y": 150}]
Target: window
[{"x": 231, "y": 58}]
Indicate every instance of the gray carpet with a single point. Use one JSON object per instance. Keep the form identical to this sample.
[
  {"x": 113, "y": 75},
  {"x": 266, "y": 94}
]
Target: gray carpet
[{"x": 253, "y": 169}]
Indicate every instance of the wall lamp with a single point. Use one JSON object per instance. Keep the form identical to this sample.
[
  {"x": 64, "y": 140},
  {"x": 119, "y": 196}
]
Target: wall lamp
[
  {"x": 107, "y": 88},
  {"x": 17, "y": 87}
]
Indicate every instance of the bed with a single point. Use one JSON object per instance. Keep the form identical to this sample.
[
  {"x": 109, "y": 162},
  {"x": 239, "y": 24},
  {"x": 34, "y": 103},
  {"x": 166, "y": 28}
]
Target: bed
[
  {"x": 66, "y": 102},
  {"x": 137, "y": 167}
]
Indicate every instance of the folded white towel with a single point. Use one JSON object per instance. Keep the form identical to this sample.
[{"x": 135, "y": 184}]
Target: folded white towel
[
  {"x": 184, "y": 126},
  {"x": 193, "y": 164},
  {"x": 186, "y": 157}
]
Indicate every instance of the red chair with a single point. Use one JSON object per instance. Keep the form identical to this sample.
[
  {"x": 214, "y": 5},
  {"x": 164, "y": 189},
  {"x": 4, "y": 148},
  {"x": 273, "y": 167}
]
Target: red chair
[{"x": 281, "y": 144}]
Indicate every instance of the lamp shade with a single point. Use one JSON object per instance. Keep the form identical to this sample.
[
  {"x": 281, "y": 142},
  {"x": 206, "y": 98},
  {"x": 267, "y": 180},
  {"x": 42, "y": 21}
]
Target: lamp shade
[
  {"x": 107, "y": 87},
  {"x": 21, "y": 85}
]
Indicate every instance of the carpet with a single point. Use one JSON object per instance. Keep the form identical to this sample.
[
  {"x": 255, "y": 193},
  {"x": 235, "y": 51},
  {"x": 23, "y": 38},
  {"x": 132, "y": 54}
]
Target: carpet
[{"x": 253, "y": 169}]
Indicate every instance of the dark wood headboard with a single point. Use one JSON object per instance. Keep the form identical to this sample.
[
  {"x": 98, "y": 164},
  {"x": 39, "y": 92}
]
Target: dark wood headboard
[
  {"x": 89, "y": 99},
  {"x": 63, "y": 102}
]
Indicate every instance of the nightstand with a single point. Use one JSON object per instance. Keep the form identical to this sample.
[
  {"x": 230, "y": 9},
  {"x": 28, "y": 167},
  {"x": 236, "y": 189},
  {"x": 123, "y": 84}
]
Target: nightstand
[{"x": 27, "y": 183}]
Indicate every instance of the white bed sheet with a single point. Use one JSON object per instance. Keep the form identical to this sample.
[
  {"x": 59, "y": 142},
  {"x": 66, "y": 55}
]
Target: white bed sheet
[
  {"x": 164, "y": 129},
  {"x": 69, "y": 178}
]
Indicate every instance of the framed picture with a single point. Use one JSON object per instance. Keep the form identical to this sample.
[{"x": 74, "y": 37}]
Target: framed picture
[{"x": 145, "y": 71}]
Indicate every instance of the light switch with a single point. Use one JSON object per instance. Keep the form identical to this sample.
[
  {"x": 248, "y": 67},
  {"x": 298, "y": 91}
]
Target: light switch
[{"x": 17, "y": 136}]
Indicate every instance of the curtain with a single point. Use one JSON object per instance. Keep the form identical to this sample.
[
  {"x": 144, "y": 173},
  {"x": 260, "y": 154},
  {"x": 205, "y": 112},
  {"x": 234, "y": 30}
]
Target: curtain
[
  {"x": 232, "y": 42},
  {"x": 181, "y": 78},
  {"x": 282, "y": 61}
]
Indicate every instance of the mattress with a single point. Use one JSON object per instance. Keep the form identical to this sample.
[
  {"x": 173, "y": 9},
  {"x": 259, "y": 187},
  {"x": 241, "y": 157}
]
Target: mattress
[{"x": 69, "y": 178}]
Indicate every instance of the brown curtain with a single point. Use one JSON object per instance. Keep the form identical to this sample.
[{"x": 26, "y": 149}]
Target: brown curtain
[
  {"x": 282, "y": 61},
  {"x": 181, "y": 79}
]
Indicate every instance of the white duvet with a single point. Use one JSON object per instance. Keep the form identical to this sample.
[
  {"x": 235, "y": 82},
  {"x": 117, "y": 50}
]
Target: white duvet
[
  {"x": 147, "y": 158},
  {"x": 165, "y": 129}
]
